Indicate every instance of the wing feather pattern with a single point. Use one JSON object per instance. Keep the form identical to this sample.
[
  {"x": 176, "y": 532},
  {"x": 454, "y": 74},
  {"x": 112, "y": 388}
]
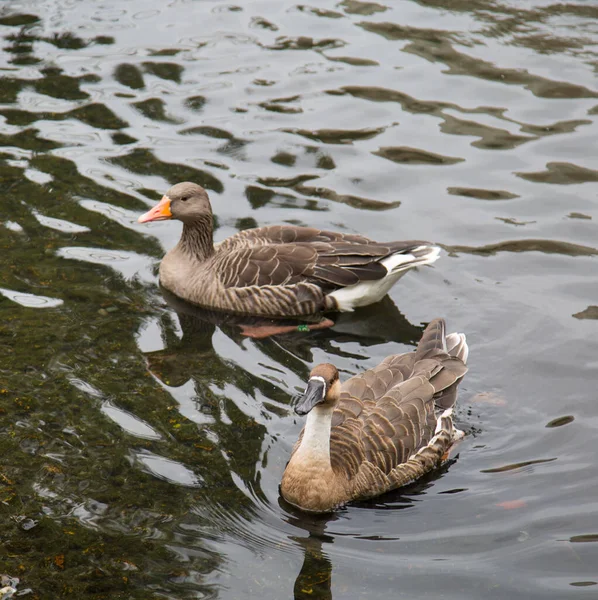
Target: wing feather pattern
[
  {"x": 384, "y": 430},
  {"x": 286, "y": 255}
]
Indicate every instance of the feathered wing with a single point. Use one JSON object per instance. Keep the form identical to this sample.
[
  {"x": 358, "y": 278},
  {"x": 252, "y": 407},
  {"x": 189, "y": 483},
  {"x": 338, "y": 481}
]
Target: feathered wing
[
  {"x": 384, "y": 430},
  {"x": 287, "y": 234},
  {"x": 286, "y": 256}
]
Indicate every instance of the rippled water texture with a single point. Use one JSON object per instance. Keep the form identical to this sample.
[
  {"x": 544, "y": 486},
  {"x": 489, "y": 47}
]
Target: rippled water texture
[{"x": 142, "y": 443}]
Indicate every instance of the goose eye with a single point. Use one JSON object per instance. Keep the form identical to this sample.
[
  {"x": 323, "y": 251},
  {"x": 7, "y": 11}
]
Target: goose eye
[{"x": 184, "y": 198}]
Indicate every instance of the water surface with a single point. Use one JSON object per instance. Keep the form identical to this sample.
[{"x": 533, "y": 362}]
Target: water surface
[{"x": 143, "y": 444}]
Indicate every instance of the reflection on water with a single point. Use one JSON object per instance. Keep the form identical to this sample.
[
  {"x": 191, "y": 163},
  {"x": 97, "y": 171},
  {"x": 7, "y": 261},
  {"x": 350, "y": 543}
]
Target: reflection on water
[
  {"x": 30, "y": 300},
  {"x": 315, "y": 578},
  {"x": 144, "y": 440}
]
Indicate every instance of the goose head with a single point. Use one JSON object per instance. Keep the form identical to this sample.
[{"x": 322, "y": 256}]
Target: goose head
[
  {"x": 323, "y": 389},
  {"x": 185, "y": 201}
]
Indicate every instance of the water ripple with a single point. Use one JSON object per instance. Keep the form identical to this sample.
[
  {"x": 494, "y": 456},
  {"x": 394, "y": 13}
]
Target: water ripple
[
  {"x": 168, "y": 470},
  {"x": 144, "y": 440},
  {"x": 128, "y": 264},
  {"x": 131, "y": 423},
  {"x": 30, "y": 300}
]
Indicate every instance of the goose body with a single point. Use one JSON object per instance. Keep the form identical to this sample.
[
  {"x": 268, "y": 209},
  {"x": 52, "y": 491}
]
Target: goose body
[
  {"x": 280, "y": 270},
  {"x": 381, "y": 429}
]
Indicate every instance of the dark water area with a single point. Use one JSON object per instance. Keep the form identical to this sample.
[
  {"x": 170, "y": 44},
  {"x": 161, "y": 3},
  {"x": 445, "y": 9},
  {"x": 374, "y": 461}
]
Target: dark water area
[{"x": 142, "y": 444}]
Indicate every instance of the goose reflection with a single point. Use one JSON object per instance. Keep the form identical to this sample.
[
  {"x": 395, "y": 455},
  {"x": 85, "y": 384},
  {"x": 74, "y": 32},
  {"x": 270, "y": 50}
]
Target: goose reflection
[
  {"x": 286, "y": 341},
  {"x": 314, "y": 580},
  {"x": 192, "y": 355}
]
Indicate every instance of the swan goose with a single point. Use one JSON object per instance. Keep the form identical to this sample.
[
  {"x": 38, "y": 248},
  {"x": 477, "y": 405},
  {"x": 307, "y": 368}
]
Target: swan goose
[{"x": 379, "y": 430}]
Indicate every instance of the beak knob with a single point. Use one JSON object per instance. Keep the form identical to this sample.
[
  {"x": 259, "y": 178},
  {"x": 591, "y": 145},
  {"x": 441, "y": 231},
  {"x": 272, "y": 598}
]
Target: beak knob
[{"x": 314, "y": 394}]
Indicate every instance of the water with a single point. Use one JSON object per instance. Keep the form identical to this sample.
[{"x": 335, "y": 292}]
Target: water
[{"x": 143, "y": 447}]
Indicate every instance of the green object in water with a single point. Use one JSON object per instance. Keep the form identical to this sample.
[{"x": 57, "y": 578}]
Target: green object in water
[{"x": 302, "y": 328}]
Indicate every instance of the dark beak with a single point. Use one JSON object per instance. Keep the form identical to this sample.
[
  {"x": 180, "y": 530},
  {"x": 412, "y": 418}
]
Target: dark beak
[{"x": 314, "y": 394}]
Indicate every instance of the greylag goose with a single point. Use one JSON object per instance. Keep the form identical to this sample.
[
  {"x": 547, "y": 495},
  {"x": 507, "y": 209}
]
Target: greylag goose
[
  {"x": 280, "y": 270},
  {"x": 380, "y": 429}
]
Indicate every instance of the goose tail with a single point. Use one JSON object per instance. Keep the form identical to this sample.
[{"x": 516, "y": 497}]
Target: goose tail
[
  {"x": 418, "y": 256},
  {"x": 438, "y": 346},
  {"x": 432, "y": 341},
  {"x": 435, "y": 339},
  {"x": 456, "y": 345}
]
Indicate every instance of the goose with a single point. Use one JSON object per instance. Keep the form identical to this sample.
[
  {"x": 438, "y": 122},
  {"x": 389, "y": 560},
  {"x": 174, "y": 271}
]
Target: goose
[
  {"x": 278, "y": 270},
  {"x": 379, "y": 430}
]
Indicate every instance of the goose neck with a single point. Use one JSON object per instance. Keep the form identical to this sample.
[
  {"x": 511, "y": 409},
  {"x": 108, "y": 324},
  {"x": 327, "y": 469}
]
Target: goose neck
[
  {"x": 197, "y": 240},
  {"x": 315, "y": 445}
]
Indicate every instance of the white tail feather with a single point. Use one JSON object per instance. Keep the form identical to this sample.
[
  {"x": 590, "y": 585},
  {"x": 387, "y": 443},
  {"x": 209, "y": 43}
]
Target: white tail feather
[
  {"x": 422, "y": 255},
  {"x": 368, "y": 292},
  {"x": 456, "y": 345}
]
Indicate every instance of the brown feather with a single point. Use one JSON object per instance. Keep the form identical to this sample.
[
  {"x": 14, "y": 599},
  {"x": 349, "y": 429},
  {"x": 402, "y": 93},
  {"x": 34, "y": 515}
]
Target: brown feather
[
  {"x": 279, "y": 270},
  {"x": 388, "y": 425}
]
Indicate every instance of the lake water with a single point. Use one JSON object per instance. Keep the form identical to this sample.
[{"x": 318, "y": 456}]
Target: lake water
[{"x": 142, "y": 448}]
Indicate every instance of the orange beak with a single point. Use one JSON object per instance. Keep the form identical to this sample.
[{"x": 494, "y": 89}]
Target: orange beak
[{"x": 160, "y": 212}]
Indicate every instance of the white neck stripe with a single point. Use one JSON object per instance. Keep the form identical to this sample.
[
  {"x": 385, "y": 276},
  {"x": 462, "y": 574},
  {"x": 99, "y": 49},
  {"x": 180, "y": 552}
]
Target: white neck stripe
[{"x": 322, "y": 380}]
